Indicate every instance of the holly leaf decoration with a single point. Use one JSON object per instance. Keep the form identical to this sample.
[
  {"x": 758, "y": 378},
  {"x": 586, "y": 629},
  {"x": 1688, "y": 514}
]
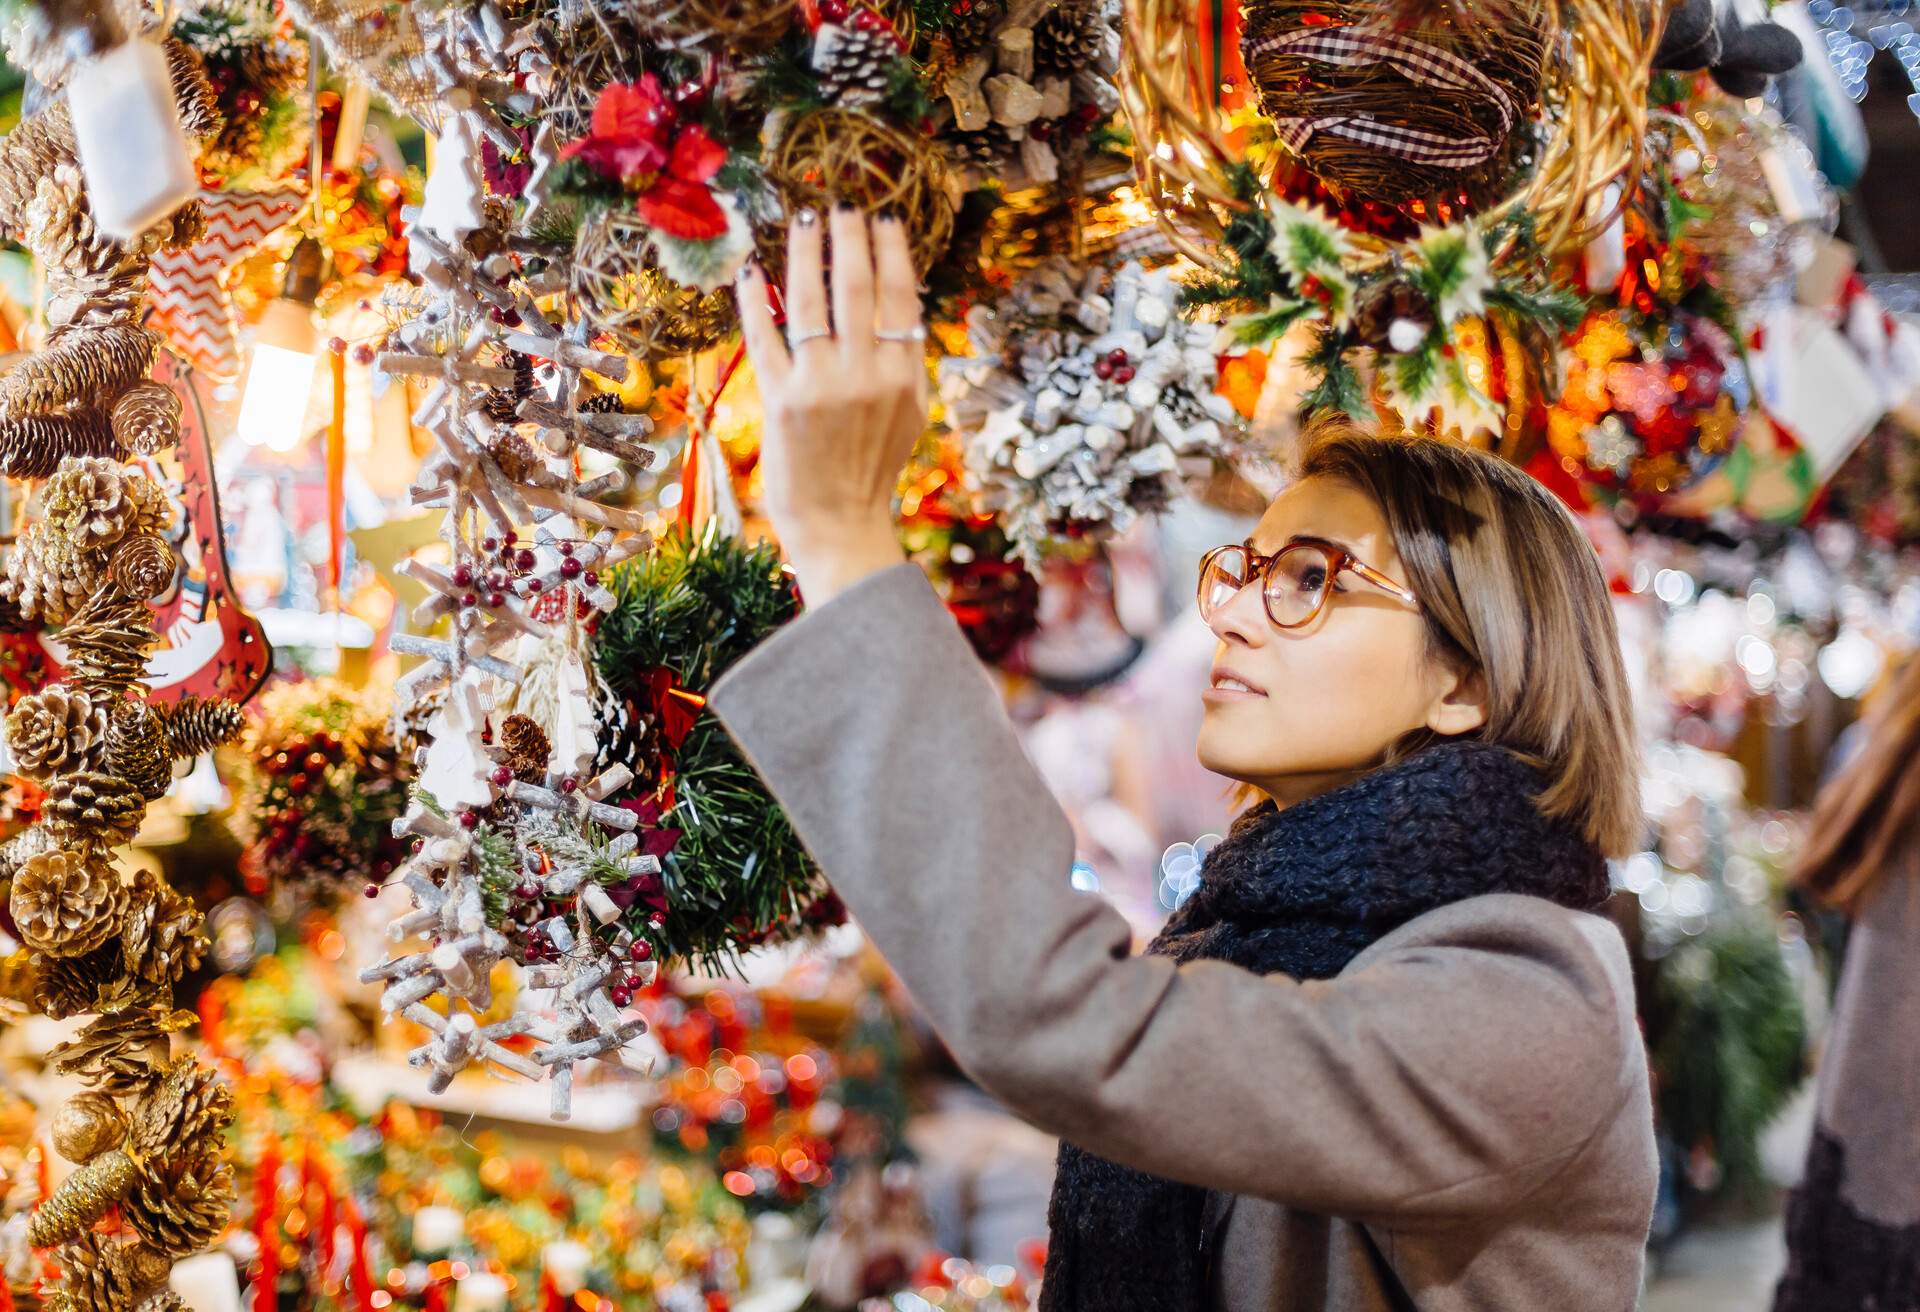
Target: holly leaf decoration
[
  {"x": 1258, "y": 329},
  {"x": 1451, "y": 266},
  {"x": 1340, "y": 387}
]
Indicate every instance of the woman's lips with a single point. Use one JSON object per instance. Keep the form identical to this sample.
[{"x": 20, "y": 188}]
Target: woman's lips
[{"x": 1228, "y": 685}]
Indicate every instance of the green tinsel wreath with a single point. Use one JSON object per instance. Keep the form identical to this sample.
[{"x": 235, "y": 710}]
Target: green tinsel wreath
[{"x": 737, "y": 875}]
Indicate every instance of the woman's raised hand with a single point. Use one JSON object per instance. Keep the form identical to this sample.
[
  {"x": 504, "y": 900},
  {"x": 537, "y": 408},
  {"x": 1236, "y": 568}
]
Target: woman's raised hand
[{"x": 845, "y": 394}]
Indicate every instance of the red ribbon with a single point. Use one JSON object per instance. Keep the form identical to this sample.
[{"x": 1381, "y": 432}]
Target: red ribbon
[{"x": 675, "y": 709}]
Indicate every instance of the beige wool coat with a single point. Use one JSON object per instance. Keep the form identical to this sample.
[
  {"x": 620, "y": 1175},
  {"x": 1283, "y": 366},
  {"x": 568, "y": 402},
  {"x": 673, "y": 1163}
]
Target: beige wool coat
[{"x": 1458, "y": 1122}]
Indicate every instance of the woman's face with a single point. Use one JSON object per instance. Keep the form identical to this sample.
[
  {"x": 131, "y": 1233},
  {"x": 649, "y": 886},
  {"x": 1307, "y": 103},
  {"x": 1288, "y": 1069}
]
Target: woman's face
[{"x": 1324, "y": 702}]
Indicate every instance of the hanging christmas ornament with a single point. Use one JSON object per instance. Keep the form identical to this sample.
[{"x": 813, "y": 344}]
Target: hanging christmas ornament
[{"x": 191, "y": 306}]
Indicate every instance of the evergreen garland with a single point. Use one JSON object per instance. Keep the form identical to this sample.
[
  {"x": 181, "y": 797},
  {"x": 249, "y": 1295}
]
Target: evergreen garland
[{"x": 737, "y": 874}]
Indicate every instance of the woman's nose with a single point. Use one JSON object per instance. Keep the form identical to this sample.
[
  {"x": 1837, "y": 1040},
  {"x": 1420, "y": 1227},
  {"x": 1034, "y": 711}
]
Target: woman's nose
[{"x": 1242, "y": 618}]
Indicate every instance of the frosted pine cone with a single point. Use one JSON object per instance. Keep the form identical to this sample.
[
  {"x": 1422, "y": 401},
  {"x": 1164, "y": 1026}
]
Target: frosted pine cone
[
  {"x": 95, "y": 503},
  {"x": 855, "y": 64},
  {"x": 58, "y": 730},
  {"x": 67, "y": 903},
  {"x": 91, "y": 806}
]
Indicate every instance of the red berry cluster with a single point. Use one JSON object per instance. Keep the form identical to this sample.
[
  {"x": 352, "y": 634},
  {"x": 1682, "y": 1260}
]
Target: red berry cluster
[{"x": 1114, "y": 366}]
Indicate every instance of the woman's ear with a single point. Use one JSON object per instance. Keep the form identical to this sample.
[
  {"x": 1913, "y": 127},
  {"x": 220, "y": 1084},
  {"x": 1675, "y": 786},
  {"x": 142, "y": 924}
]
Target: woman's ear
[{"x": 1461, "y": 706}]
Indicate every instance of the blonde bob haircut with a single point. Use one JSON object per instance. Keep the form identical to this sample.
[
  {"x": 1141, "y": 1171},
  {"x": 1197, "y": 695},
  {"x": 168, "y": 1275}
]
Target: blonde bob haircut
[{"x": 1512, "y": 589}]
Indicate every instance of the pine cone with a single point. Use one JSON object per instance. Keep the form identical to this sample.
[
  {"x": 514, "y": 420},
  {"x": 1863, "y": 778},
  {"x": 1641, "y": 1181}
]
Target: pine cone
[
  {"x": 95, "y": 502},
  {"x": 143, "y": 566},
  {"x": 988, "y": 149},
  {"x": 109, "y": 1273},
  {"x": 82, "y": 1199},
  {"x": 1384, "y": 303},
  {"x": 602, "y": 403},
  {"x": 502, "y": 404},
  {"x": 146, "y": 418},
  {"x": 28, "y": 842},
  {"x": 855, "y": 65},
  {"x": 82, "y": 365},
  {"x": 123, "y": 1053},
  {"x": 195, "y": 725},
  {"x": 182, "y": 1207},
  {"x": 524, "y": 748},
  {"x": 971, "y": 25},
  {"x": 107, "y": 642},
  {"x": 183, "y": 1118},
  {"x": 68, "y": 903},
  {"x": 87, "y": 1125},
  {"x": 516, "y": 457},
  {"x": 47, "y": 579},
  {"x": 32, "y": 446},
  {"x": 1072, "y": 38},
  {"x": 89, "y": 806},
  {"x": 58, "y": 730},
  {"x": 137, "y": 747},
  {"x": 97, "y": 982},
  {"x": 162, "y": 941}
]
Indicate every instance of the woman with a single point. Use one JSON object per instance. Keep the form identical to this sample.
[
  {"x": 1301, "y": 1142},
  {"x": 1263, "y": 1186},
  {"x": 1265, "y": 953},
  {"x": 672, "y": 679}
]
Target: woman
[
  {"x": 1385, "y": 1057},
  {"x": 1853, "y": 1225}
]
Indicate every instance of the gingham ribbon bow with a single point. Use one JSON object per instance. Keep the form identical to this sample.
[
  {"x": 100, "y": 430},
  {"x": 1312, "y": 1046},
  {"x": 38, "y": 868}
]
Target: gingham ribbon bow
[{"x": 1425, "y": 64}]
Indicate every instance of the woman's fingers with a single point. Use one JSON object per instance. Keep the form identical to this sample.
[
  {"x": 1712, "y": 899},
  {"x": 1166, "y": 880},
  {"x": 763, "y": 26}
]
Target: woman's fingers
[
  {"x": 852, "y": 282},
  {"x": 897, "y": 301},
  {"x": 806, "y": 287},
  {"x": 765, "y": 347}
]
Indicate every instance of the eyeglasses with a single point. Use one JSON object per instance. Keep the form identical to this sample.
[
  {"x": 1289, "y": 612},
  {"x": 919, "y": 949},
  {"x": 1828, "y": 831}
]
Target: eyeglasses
[{"x": 1295, "y": 581}]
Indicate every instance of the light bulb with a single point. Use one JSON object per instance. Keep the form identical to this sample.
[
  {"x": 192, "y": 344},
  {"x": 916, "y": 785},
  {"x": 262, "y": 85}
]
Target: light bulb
[{"x": 280, "y": 377}]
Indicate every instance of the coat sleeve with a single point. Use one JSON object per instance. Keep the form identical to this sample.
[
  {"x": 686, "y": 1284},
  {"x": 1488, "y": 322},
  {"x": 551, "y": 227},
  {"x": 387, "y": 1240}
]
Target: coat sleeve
[{"x": 1444, "y": 1077}]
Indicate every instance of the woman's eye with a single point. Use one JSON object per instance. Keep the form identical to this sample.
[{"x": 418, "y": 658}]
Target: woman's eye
[{"x": 1312, "y": 580}]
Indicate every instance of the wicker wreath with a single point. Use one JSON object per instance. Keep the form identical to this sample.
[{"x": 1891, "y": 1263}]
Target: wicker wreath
[
  {"x": 617, "y": 289},
  {"x": 830, "y": 157},
  {"x": 1428, "y": 109},
  {"x": 721, "y": 24},
  {"x": 1591, "y": 97}
]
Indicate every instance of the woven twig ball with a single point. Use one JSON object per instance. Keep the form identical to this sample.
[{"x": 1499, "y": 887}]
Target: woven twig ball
[
  {"x": 720, "y": 24},
  {"x": 831, "y": 157},
  {"x": 618, "y": 290},
  {"x": 1394, "y": 101}
]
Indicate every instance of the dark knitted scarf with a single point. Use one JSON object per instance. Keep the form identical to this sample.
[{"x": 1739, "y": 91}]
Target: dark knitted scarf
[{"x": 1301, "y": 892}]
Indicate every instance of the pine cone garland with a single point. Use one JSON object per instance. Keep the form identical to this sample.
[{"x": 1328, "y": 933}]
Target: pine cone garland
[
  {"x": 137, "y": 747},
  {"x": 58, "y": 730},
  {"x": 524, "y": 748},
  {"x": 97, "y": 982},
  {"x": 68, "y": 903},
  {"x": 107, "y": 641},
  {"x": 146, "y": 418},
  {"x": 182, "y": 1207},
  {"x": 89, "y": 806},
  {"x": 195, "y": 726},
  {"x": 124, "y": 1053},
  {"x": 855, "y": 65},
  {"x": 163, "y": 939}
]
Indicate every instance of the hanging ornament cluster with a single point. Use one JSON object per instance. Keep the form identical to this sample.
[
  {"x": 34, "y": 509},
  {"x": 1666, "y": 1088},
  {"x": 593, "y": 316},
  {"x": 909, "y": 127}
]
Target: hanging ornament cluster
[
  {"x": 1087, "y": 401},
  {"x": 732, "y": 871},
  {"x": 146, "y": 1132},
  {"x": 514, "y": 842},
  {"x": 323, "y": 785},
  {"x": 258, "y": 71},
  {"x": 86, "y": 392},
  {"x": 1022, "y": 84}
]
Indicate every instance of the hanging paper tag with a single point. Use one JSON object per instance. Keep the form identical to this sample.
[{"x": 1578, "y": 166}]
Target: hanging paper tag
[{"x": 126, "y": 127}]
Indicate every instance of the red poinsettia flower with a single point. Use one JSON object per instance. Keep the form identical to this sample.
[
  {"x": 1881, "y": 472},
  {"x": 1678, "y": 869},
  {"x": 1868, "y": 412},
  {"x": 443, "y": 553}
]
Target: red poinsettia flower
[{"x": 636, "y": 139}]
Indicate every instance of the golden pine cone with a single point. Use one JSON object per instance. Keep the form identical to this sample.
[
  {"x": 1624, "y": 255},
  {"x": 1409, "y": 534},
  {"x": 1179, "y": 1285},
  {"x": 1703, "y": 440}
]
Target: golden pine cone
[
  {"x": 32, "y": 446},
  {"x": 183, "y": 1118},
  {"x": 162, "y": 940},
  {"x": 108, "y": 1273},
  {"x": 524, "y": 747},
  {"x": 28, "y": 842},
  {"x": 107, "y": 641},
  {"x": 46, "y": 578},
  {"x": 68, "y": 903},
  {"x": 58, "y": 730},
  {"x": 97, "y": 982},
  {"x": 82, "y": 365},
  {"x": 87, "y": 1125},
  {"x": 143, "y": 565},
  {"x": 183, "y": 1206},
  {"x": 95, "y": 503},
  {"x": 146, "y": 418},
  {"x": 123, "y": 1053},
  {"x": 137, "y": 747},
  {"x": 195, "y": 725},
  {"x": 82, "y": 1199},
  {"x": 91, "y": 806}
]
